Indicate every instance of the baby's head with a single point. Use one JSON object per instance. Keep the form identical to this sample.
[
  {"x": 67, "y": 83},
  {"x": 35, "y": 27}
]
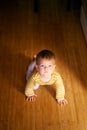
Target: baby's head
[{"x": 45, "y": 62}]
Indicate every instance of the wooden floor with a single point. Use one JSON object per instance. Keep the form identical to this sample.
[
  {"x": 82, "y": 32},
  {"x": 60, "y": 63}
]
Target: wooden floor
[{"x": 22, "y": 34}]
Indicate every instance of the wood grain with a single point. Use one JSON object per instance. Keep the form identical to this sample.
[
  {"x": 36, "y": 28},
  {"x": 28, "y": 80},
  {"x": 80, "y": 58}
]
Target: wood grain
[{"x": 22, "y": 34}]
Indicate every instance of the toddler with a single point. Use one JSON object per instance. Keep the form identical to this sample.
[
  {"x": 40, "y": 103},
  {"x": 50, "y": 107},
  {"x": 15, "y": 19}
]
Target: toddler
[{"x": 42, "y": 72}]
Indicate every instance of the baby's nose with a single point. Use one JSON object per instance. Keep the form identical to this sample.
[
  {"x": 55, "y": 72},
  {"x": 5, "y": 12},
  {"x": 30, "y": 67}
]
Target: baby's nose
[{"x": 45, "y": 67}]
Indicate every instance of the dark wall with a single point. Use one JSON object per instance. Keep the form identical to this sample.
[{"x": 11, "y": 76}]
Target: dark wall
[{"x": 76, "y": 3}]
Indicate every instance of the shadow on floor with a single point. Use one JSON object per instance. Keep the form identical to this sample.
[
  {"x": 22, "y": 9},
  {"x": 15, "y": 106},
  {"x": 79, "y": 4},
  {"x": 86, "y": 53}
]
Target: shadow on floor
[{"x": 13, "y": 67}]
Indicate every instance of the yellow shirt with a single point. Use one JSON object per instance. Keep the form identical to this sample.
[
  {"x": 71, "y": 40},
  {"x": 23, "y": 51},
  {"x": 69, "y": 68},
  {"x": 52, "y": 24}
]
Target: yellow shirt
[{"x": 55, "y": 80}]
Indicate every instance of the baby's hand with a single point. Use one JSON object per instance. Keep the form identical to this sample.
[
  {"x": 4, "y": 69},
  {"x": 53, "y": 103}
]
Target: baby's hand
[
  {"x": 62, "y": 102},
  {"x": 31, "y": 98}
]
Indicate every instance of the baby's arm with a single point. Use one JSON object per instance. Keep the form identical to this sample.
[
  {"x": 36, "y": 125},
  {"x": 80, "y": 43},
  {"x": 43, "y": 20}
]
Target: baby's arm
[
  {"x": 29, "y": 90},
  {"x": 60, "y": 91}
]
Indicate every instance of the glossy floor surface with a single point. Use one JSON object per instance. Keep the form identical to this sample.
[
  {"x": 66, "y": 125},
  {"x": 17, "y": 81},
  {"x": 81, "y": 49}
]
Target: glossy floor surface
[{"x": 22, "y": 34}]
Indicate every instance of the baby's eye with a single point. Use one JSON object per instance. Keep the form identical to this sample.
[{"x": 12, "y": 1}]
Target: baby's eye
[
  {"x": 42, "y": 66},
  {"x": 50, "y": 66}
]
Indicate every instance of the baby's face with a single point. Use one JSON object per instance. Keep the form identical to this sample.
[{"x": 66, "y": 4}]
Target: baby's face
[{"x": 46, "y": 67}]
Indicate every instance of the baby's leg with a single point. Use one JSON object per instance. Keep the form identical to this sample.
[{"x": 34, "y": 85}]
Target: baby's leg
[
  {"x": 30, "y": 69},
  {"x": 36, "y": 86}
]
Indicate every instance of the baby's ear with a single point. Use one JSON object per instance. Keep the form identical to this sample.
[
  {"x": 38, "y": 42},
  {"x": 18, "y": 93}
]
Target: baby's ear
[{"x": 54, "y": 66}]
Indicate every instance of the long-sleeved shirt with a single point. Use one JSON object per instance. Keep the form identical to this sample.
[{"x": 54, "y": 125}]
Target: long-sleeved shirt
[{"x": 55, "y": 80}]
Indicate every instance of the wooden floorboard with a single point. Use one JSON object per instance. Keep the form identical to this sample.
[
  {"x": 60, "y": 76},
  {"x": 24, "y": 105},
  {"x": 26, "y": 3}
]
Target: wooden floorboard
[{"x": 22, "y": 34}]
